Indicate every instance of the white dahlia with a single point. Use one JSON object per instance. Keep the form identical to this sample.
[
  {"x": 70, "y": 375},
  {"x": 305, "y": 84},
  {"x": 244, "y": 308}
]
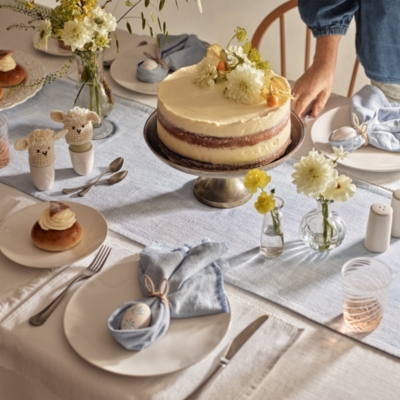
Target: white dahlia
[
  {"x": 44, "y": 34},
  {"x": 206, "y": 73},
  {"x": 341, "y": 191},
  {"x": 244, "y": 84},
  {"x": 314, "y": 174},
  {"x": 236, "y": 56},
  {"x": 76, "y": 35},
  {"x": 101, "y": 21}
]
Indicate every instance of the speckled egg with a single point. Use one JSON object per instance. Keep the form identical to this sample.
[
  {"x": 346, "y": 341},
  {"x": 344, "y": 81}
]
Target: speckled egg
[
  {"x": 150, "y": 65},
  {"x": 346, "y": 132},
  {"x": 136, "y": 316}
]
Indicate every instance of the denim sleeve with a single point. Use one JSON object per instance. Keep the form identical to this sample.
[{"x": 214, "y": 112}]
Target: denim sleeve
[{"x": 328, "y": 17}]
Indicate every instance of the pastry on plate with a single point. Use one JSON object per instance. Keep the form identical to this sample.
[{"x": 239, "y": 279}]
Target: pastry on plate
[
  {"x": 11, "y": 73},
  {"x": 57, "y": 228}
]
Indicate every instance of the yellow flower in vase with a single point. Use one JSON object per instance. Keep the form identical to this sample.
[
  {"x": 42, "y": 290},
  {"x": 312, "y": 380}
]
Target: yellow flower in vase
[{"x": 271, "y": 241}]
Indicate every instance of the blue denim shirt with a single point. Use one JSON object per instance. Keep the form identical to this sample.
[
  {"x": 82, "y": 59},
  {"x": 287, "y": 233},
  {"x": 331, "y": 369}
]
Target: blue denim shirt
[{"x": 377, "y": 33}]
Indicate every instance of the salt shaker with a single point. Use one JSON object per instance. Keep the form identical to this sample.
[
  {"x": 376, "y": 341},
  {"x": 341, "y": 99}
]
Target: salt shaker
[
  {"x": 396, "y": 213},
  {"x": 377, "y": 238}
]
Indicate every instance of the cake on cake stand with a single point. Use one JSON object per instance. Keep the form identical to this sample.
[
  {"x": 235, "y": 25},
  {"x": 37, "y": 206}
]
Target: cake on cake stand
[{"x": 217, "y": 187}]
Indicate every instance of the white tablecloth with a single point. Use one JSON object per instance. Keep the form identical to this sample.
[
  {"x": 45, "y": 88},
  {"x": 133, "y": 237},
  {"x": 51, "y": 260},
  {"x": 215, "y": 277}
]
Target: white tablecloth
[{"x": 38, "y": 363}]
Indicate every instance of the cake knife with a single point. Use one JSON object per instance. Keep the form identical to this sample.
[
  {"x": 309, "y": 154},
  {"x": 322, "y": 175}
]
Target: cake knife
[{"x": 234, "y": 346}]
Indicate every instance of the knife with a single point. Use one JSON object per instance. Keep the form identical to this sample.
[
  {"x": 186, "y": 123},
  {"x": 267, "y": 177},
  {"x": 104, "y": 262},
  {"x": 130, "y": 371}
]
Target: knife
[{"x": 233, "y": 347}]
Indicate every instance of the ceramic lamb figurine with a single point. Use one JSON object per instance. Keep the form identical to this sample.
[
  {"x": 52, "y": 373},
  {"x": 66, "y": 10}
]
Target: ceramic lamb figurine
[
  {"x": 78, "y": 121},
  {"x": 40, "y": 144}
]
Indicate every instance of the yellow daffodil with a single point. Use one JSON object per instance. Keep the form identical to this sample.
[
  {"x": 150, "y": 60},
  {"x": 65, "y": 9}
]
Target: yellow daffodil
[
  {"x": 255, "y": 179},
  {"x": 265, "y": 203}
]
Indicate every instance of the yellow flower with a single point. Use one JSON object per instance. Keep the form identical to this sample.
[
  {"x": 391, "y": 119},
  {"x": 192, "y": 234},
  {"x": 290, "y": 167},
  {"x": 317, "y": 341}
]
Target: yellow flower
[
  {"x": 29, "y": 5},
  {"x": 255, "y": 179},
  {"x": 265, "y": 203},
  {"x": 240, "y": 34}
]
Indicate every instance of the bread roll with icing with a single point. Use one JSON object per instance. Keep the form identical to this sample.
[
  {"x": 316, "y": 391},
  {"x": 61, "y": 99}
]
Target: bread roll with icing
[
  {"x": 10, "y": 72},
  {"x": 56, "y": 228}
]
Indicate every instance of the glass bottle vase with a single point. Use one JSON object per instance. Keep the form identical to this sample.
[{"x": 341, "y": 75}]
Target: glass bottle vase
[
  {"x": 272, "y": 239},
  {"x": 92, "y": 90},
  {"x": 322, "y": 229}
]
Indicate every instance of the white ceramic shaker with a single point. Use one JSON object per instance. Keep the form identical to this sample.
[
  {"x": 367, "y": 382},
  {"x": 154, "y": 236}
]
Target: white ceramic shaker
[
  {"x": 377, "y": 238},
  {"x": 396, "y": 213}
]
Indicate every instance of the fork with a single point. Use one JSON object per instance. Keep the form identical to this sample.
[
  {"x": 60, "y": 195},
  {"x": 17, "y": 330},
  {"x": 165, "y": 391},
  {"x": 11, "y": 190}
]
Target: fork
[{"x": 95, "y": 266}]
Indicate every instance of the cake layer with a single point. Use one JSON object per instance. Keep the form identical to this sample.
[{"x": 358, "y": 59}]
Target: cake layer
[
  {"x": 219, "y": 153},
  {"x": 208, "y": 112}
]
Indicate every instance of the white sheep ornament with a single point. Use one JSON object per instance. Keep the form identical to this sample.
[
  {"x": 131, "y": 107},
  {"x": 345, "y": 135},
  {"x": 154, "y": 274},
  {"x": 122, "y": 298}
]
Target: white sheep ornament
[
  {"x": 40, "y": 145},
  {"x": 78, "y": 121}
]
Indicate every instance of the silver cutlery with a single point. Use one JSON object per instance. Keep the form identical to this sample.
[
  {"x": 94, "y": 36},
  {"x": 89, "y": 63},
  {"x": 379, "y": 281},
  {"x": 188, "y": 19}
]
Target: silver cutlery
[
  {"x": 233, "y": 347},
  {"x": 95, "y": 266},
  {"x": 112, "y": 180},
  {"x": 114, "y": 166}
]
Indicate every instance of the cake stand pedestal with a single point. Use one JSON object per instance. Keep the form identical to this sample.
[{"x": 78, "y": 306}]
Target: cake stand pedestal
[{"x": 217, "y": 187}]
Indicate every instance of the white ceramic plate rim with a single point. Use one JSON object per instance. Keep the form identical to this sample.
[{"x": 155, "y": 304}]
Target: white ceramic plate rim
[
  {"x": 34, "y": 71},
  {"x": 123, "y": 70},
  {"x": 16, "y": 243},
  {"x": 186, "y": 342},
  {"x": 53, "y": 47},
  {"x": 366, "y": 158}
]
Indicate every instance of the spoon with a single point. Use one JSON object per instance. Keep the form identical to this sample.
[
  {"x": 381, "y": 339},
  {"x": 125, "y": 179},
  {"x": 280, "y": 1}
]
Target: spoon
[
  {"x": 114, "y": 166},
  {"x": 112, "y": 180}
]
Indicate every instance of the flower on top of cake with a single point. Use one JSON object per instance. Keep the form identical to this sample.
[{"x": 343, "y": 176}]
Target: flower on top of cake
[{"x": 247, "y": 78}]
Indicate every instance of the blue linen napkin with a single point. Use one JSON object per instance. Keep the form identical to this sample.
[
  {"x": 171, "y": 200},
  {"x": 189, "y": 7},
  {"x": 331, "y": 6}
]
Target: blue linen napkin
[
  {"x": 180, "y": 51},
  {"x": 195, "y": 288},
  {"x": 381, "y": 118}
]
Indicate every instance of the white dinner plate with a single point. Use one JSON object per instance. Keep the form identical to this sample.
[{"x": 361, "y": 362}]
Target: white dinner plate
[
  {"x": 34, "y": 71},
  {"x": 366, "y": 158},
  {"x": 186, "y": 342},
  {"x": 53, "y": 47},
  {"x": 123, "y": 70},
  {"x": 16, "y": 243}
]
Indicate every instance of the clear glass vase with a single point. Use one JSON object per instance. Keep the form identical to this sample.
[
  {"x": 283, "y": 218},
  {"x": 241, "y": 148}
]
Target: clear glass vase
[
  {"x": 272, "y": 240},
  {"x": 92, "y": 90},
  {"x": 322, "y": 229}
]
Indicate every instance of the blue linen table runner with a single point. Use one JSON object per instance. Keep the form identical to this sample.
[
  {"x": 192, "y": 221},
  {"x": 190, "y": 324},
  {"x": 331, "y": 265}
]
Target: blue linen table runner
[{"x": 155, "y": 203}]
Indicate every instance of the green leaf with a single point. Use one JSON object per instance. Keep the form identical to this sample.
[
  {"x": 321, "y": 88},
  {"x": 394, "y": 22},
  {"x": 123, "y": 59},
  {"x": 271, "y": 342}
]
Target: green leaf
[
  {"x": 146, "y": 3},
  {"x": 128, "y": 3},
  {"x": 159, "y": 42},
  {"x": 151, "y": 31},
  {"x": 161, "y": 5},
  {"x": 159, "y": 23},
  {"x": 116, "y": 42},
  {"x": 153, "y": 18},
  {"x": 164, "y": 28},
  {"x": 143, "y": 22},
  {"x": 128, "y": 26}
]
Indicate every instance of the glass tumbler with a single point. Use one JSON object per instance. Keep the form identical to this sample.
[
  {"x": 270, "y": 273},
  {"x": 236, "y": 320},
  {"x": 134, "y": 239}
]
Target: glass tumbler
[
  {"x": 4, "y": 146},
  {"x": 366, "y": 285}
]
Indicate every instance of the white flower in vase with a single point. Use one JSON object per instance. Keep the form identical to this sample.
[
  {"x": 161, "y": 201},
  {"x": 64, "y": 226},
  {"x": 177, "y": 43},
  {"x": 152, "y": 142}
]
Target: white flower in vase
[
  {"x": 76, "y": 35},
  {"x": 101, "y": 21},
  {"x": 44, "y": 35},
  {"x": 341, "y": 191}
]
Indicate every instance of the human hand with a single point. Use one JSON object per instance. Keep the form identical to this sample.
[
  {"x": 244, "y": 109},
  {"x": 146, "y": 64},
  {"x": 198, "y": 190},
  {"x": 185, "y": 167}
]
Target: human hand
[{"x": 315, "y": 84}]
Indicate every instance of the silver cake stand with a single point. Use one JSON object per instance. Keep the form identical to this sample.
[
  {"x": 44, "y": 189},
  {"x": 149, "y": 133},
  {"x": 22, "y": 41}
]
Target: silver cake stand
[{"x": 217, "y": 187}]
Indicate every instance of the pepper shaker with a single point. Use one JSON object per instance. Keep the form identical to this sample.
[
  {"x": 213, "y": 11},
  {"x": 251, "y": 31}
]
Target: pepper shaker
[
  {"x": 377, "y": 238},
  {"x": 396, "y": 213}
]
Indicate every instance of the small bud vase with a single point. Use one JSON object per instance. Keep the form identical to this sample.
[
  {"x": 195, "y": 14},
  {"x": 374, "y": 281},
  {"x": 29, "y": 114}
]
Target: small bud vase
[
  {"x": 272, "y": 240},
  {"x": 322, "y": 229},
  {"x": 93, "y": 92}
]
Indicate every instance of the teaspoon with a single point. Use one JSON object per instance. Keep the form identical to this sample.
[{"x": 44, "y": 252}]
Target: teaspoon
[
  {"x": 112, "y": 180},
  {"x": 114, "y": 166}
]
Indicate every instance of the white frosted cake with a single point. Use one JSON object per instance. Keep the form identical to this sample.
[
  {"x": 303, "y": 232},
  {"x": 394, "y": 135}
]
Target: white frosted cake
[{"x": 202, "y": 124}]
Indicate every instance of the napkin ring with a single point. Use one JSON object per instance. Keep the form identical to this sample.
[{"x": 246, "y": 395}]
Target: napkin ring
[
  {"x": 162, "y": 291},
  {"x": 362, "y": 130}
]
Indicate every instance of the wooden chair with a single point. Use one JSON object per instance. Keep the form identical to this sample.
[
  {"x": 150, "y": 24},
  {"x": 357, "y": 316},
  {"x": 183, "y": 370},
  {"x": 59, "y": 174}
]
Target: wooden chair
[{"x": 279, "y": 13}]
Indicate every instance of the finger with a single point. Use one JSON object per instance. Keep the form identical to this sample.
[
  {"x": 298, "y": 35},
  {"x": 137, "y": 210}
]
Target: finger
[
  {"x": 302, "y": 104},
  {"x": 320, "y": 103}
]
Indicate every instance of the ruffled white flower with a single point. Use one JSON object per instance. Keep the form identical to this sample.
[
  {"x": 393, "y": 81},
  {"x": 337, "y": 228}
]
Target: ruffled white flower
[
  {"x": 340, "y": 153},
  {"x": 314, "y": 174},
  {"x": 76, "y": 35},
  {"x": 101, "y": 21},
  {"x": 342, "y": 190},
  {"x": 206, "y": 72},
  {"x": 244, "y": 84},
  {"x": 235, "y": 56},
  {"x": 44, "y": 34}
]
